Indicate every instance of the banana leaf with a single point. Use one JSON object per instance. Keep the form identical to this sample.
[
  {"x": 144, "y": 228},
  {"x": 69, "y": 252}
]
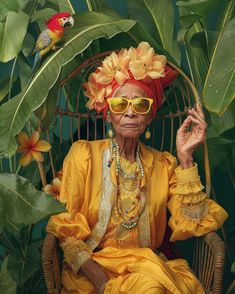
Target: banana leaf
[
  {"x": 225, "y": 124},
  {"x": 88, "y": 26},
  {"x": 11, "y": 5},
  {"x": 219, "y": 87},
  {"x": 197, "y": 56},
  {"x": 7, "y": 284},
  {"x": 95, "y": 5},
  {"x": 43, "y": 14},
  {"x": 202, "y": 7},
  {"x": 65, "y": 5},
  {"x": 28, "y": 262},
  {"x": 12, "y": 33},
  {"x": 21, "y": 203},
  {"x": 157, "y": 18}
]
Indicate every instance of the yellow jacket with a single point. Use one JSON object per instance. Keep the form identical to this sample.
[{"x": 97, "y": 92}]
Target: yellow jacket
[{"x": 89, "y": 185}]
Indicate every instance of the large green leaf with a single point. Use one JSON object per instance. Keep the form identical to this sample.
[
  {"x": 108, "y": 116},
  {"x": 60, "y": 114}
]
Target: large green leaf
[
  {"x": 220, "y": 152},
  {"x": 23, "y": 263},
  {"x": 11, "y": 5},
  {"x": 43, "y": 14},
  {"x": 12, "y": 33},
  {"x": 7, "y": 284},
  {"x": 200, "y": 7},
  {"x": 28, "y": 44},
  {"x": 88, "y": 26},
  {"x": 48, "y": 108},
  {"x": 4, "y": 87},
  {"x": 225, "y": 124},
  {"x": 21, "y": 203},
  {"x": 24, "y": 70},
  {"x": 219, "y": 88},
  {"x": 65, "y": 5},
  {"x": 196, "y": 52},
  {"x": 94, "y": 5},
  {"x": 157, "y": 18}
]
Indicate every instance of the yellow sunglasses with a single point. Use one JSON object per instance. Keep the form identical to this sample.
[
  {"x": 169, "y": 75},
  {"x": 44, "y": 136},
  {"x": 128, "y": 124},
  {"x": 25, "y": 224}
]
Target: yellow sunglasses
[{"x": 140, "y": 105}]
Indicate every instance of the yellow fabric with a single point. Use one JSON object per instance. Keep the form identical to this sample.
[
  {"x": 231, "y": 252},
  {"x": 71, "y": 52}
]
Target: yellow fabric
[
  {"x": 133, "y": 270},
  {"x": 116, "y": 236}
]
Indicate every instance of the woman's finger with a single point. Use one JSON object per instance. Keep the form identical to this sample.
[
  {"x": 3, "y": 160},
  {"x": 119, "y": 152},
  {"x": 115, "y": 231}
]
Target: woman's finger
[
  {"x": 197, "y": 115},
  {"x": 200, "y": 109},
  {"x": 192, "y": 120},
  {"x": 185, "y": 125}
]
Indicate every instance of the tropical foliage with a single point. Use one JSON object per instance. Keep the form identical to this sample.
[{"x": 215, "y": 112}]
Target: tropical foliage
[{"x": 197, "y": 35}]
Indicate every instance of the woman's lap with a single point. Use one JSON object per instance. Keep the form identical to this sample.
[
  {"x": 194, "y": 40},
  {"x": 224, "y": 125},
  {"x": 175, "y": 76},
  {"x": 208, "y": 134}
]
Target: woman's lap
[{"x": 136, "y": 271}]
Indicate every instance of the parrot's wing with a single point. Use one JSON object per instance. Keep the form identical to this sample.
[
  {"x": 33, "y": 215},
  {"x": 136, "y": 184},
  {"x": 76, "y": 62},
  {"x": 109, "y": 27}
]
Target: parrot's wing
[{"x": 43, "y": 41}]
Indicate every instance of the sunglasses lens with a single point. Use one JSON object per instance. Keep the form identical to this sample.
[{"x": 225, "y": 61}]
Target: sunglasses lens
[
  {"x": 141, "y": 105},
  {"x": 118, "y": 105}
]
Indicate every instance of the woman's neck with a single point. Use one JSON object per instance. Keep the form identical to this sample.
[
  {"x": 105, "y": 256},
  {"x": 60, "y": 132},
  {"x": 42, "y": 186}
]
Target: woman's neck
[{"x": 127, "y": 147}]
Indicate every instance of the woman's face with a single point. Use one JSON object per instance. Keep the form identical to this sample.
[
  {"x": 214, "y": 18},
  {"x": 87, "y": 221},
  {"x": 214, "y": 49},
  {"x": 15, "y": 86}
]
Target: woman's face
[{"x": 129, "y": 124}]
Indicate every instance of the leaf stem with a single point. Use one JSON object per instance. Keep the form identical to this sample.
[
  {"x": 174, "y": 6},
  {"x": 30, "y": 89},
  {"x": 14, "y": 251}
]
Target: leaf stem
[
  {"x": 10, "y": 164},
  {"x": 207, "y": 39},
  {"x": 18, "y": 169},
  {"x": 1, "y": 165},
  {"x": 33, "y": 7},
  {"x": 11, "y": 77},
  {"x": 89, "y": 6},
  {"x": 30, "y": 231},
  {"x": 189, "y": 64},
  {"x": 14, "y": 162}
]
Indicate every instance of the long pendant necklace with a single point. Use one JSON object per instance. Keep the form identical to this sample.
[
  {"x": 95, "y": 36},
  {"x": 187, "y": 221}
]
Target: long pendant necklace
[{"x": 129, "y": 221}]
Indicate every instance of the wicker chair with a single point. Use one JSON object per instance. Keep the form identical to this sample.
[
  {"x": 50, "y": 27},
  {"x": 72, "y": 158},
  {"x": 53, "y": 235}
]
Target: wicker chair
[{"x": 209, "y": 250}]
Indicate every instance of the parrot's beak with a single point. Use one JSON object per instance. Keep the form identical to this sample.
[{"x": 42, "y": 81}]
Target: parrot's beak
[{"x": 70, "y": 22}]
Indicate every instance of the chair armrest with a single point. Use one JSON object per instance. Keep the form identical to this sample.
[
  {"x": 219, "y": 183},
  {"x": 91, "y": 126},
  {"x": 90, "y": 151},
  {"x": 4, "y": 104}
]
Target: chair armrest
[
  {"x": 217, "y": 248},
  {"x": 50, "y": 263}
]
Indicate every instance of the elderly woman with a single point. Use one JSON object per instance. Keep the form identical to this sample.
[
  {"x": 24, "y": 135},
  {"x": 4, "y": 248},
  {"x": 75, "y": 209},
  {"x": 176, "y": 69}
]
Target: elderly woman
[{"x": 117, "y": 190}]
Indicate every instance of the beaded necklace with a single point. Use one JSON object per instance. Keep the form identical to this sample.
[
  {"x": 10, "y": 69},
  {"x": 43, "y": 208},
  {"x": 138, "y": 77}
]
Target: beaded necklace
[{"x": 128, "y": 222}]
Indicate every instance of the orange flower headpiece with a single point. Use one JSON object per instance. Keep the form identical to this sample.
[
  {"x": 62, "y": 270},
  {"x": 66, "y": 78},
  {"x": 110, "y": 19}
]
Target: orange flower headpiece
[{"x": 140, "y": 66}]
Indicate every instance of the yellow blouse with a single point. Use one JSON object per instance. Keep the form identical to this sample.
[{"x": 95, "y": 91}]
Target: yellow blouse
[
  {"x": 89, "y": 187},
  {"x": 116, "y": 236}
]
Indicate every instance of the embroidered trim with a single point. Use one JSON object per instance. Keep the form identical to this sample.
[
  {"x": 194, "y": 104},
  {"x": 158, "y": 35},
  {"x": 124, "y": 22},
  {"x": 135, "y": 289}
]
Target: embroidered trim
[
  {"x": 191, "y": 181},
  {"x": 192, "y": 198},
  {"x": 192, "y": 187},
  {"x": 82, "y": 257},
  {"x": 194, "y": 211},
  {"x": 144, "y": 226},
  {"x": 105, "y": 205},
  {"x": 76, "y": 252}
]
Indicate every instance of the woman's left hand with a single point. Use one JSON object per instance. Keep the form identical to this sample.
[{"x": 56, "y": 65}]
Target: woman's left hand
[{"x": 188, "y": 140}]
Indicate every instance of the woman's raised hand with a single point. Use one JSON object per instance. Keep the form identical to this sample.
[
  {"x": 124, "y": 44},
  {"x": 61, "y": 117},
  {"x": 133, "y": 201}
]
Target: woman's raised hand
[{"x": 190, "y": 135}]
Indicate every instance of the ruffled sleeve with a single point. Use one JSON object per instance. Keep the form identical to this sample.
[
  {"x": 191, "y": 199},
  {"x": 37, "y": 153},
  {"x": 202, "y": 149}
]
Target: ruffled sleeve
[
  {"x": 72, "y": 227},
  {"x": 192, "y": 212}
]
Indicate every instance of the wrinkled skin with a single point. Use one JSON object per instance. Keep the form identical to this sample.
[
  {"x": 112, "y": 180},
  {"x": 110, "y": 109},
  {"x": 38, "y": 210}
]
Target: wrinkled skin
[{"x": 130, "y": 125}]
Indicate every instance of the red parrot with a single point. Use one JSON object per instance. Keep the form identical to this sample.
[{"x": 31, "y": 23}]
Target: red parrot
[{"x": 50, "y": 36}]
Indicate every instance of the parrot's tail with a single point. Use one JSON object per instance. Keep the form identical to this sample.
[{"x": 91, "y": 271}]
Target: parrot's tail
[{"x": 37, "y": 60}]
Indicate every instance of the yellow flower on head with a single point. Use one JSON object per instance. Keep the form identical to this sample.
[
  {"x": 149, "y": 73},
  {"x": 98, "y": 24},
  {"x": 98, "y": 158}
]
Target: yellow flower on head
[
  {"x": 54, "y": 188},
  {"x": 115, "y": 66},
  {"x": 31, "y": 148},
  {"x": 96, "y": 93},
  {"x": 145, "y": 63}
]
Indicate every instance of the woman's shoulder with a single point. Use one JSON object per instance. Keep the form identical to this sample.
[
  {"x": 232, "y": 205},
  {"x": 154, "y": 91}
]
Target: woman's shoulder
[
  {"x": 159, "y": 155},
  {"x": 164, "y": 158},
  {"x": 85, "y": 147}
]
